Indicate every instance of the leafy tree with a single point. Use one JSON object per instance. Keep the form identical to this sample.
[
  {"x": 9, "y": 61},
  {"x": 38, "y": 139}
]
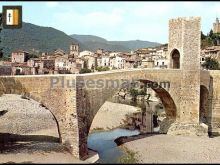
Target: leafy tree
[
  {"x": 211, "y": 33},
  {"x": 85, "y": 70},
  {"x": 133, "y": 92},
  {"x": 211, "y": 64},
  {"x": 142, "y": 92}
]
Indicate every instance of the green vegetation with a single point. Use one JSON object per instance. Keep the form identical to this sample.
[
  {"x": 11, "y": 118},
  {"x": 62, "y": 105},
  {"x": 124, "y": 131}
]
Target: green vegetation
[
  {"x": 35, "y": 39},
  {"x": 95, "y": 130},
  {"x": 129, "y": 157},
  {"x": 211, "y": 39},
  {"x": 94, "y": 42},
  {"x": 3, "y": 58},
  {"x": 211, "y": 64},
  {"x": 85, "y": 70},
  {"x": 102, "y": 68},
  {"x": 134, "y": 92},
  {"x": 142, "y": 92}
]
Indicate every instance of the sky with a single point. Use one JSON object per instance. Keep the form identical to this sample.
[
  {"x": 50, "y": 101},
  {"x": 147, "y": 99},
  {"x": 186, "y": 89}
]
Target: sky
[{"x": 117, "y": 21}]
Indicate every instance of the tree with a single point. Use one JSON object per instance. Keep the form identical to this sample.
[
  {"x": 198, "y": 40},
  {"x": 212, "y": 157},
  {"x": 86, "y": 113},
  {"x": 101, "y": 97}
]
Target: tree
[
  {"x": 85, "y": 70},
  {"x": 133, "y": 92},
  {"x": 203, "y": 36},
  {"x": 211, "y": 64},
  {"x": 211, "y": 33}
]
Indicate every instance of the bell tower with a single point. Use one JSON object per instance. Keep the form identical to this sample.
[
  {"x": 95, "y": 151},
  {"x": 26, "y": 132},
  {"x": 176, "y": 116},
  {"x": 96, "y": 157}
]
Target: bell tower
[
  {"x": 216, "y": 26},
  {"x": 74, "y": 50}
]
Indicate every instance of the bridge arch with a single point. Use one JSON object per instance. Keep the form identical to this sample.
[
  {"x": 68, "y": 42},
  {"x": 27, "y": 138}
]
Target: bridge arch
[
  {"x": 175, "y": 59},
  {"x": 163, "y": 93},
  {"x": 204, "y": 105},
  {"x": 28, "y": 116}
]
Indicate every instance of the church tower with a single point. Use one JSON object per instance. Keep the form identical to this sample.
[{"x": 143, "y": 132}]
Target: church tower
[
  {"x": 74, "y": 50},
  {"x": 216, "y": 26}
]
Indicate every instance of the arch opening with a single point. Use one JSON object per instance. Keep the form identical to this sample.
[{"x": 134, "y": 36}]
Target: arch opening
[
  {"x": 165, "y": 104},
  {"x": 175, "y": 59},
  {"x": 122, "y": 116},
  {"x": 26, "y": 125},
  {"x": 204, "y": 105}
]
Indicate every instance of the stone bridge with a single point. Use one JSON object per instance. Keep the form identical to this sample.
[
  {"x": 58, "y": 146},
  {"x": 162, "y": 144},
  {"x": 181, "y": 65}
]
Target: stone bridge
[
  {"x": 74, "y": 107},
  {"x": 192, "y": 97}
]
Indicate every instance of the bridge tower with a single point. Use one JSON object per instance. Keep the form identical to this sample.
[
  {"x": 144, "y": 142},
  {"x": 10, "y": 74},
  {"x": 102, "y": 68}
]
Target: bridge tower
[{"x": 184, "y": 54}]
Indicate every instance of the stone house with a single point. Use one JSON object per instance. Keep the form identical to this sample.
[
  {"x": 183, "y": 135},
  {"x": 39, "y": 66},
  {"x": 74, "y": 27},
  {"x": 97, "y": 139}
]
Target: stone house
[
  {"x": 90, "y": 61},
  {"x": 161, "y": 63},
  {"x": 117, "y": 62},
  {"x": 61, "y": 63},
  {"x": 105, "y": 61},
  {"x": 145, "y": 63},
  {"x": 85, "y": 53},
  {"x": 22, "y": 69},
  {"x": 19, "y": 56},
  {"x": 212, "y": 52}
]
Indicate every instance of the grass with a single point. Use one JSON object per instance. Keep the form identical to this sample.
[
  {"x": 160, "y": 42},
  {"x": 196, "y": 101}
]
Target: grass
[
  {"x": 95, "y": 130},
  {"x": 129, "y": 156}
]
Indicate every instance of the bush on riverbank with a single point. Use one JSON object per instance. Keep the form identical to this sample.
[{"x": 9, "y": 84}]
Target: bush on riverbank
[{"x": 129, "y": 156}]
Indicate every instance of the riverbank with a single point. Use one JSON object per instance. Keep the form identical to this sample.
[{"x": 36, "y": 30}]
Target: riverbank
[
  {"x": 111, "y": 116},
  {"x": 175, "y": 149}
]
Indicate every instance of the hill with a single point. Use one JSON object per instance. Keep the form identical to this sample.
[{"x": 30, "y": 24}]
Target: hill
[
  {"x": 95, "y": 42},
  {"x": 35, "y": 38}
]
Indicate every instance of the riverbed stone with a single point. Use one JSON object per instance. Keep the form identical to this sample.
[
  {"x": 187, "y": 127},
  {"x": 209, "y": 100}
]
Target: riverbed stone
[
  {"x": 166, "y": 124},
  {"x": 186, "y": 129}
]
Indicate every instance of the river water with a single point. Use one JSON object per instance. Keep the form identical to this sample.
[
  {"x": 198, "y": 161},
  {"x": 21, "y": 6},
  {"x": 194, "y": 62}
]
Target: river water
[{"x": 103, "y": 143}]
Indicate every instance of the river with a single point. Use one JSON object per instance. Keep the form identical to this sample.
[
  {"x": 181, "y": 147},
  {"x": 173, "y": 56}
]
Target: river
[{"x": 103, "y": 143}]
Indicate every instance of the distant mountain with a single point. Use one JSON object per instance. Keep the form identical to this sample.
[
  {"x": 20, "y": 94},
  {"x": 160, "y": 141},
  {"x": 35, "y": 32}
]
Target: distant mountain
[
  {"x": 35, "y": 38},
  {"x": 95, "y": 42},
  {"x": 136, "y": 44}
]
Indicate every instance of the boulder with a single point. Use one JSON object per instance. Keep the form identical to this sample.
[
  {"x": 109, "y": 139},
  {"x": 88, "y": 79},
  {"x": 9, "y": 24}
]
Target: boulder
[
  {"x": 188, "y": 129},
  {"x": 165, "y": 124}
]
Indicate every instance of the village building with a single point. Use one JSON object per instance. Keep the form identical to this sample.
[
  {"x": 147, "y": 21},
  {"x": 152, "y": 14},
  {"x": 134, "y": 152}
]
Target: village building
[
  {"x": 19, "y": 56},
  {"x": 161, "y": 63},
  {"x": 90, "y": 62},
  {"x": 86, "y": 52},
  {"x": 212, "y": 52},
  {"x": 147, "y": 63}
]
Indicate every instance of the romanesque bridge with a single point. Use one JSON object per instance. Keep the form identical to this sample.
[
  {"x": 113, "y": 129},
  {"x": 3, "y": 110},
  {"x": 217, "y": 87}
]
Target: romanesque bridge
[
  {"x": 74, "y": 107},
  {"x": 192, "y": 98}
]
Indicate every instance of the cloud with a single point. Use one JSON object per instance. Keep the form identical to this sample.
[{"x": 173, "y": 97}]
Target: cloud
[
  {"x": 97, "y": 19},
  {"x": 123, "y": 21},
  {"x": 52, "y": 4}
]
